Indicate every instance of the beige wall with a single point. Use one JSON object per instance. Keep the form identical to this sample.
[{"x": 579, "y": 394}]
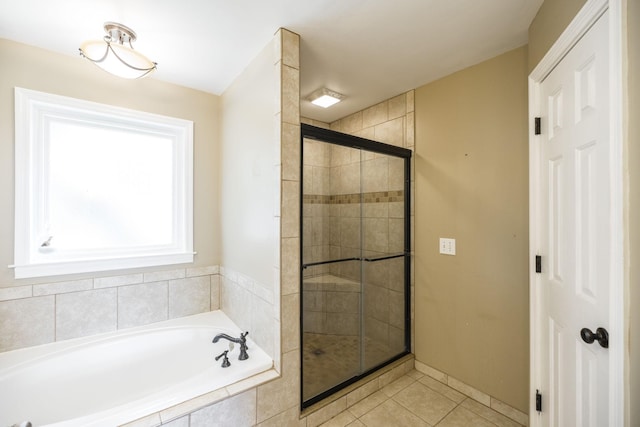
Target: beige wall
[
  {"x": 250, "y": 173},
  {"x": 37, "y": 69},
  {"x": 471, "y": 161},
  {"x": 248, "y": 177},
  {"x": 550, "y": 21}
]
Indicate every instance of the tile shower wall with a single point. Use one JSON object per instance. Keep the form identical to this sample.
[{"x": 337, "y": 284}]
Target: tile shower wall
[
  {"x": 332, "y": 179},
  {"x": 44, "y": 313},
  {"x": 315, "y": 204},
  {"x": 332, "y": 306},
  {"x": 331, "y": 300},
  {"x": 391, "y": 122},
  {"x": 336, "y": 216}
]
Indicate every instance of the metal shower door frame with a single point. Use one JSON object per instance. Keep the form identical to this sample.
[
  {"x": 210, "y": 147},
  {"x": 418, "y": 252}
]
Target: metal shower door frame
[{"x": 345, "y": 140}]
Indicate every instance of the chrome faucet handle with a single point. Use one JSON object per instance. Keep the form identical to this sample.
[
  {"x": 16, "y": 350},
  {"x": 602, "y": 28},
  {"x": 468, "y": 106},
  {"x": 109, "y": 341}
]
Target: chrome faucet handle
[
  {"x": 225, "y": 361},
  {"x": 243, "y": 346},
  {"x": 243, "y": 339}
]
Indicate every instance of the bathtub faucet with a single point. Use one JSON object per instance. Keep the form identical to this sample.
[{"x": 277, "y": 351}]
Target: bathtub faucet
[
  {"x": 225, "y": 361},
  {"x": 242, "y": 341}
]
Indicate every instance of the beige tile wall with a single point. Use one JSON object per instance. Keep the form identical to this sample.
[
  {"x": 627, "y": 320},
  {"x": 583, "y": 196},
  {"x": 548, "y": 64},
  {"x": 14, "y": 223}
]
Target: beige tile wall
[
  {"x": 316, "y": 205},
  {"x": 44, "y": 313},
  {"x": 331, "y": 305}
]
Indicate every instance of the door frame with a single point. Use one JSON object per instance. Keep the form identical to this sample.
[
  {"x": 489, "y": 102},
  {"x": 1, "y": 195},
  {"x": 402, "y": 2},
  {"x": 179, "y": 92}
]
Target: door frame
[{"x": 591, "y": 11}]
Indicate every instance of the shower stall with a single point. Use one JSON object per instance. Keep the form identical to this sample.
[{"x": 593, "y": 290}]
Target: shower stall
[{"x": 355, "y": 252}]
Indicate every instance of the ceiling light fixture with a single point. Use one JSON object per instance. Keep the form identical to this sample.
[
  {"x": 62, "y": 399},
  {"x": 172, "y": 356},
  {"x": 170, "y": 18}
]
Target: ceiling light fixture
[
  {"x": 325, "y": 98},
  {"x": 115, "y": 57}
]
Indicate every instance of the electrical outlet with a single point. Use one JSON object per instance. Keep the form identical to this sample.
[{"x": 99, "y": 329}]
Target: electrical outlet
[{"x": 447, "y": 246}]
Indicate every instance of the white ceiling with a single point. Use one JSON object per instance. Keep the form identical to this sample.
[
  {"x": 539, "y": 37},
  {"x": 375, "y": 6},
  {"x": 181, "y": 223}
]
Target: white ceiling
[{"x": 368, "y": 50}]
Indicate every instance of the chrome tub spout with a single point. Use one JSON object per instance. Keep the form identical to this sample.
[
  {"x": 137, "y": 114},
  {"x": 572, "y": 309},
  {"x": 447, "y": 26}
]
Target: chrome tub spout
[{"x": 242, "y": 341}]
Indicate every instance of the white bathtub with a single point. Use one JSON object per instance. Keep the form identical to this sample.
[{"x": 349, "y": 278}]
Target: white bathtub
[{"x": 115, "y": 378}]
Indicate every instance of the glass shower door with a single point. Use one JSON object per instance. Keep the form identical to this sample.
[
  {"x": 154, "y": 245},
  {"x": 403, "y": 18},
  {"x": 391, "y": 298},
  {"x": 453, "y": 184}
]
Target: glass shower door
[
  {"x": 354, "y": 251},
  {"x": 331, "y": 315},
  {"x": 384, "y": 254}
]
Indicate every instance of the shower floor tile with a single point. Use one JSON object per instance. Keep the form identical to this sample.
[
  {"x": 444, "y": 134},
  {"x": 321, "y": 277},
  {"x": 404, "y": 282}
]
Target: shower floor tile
[{"x": 329, "y": 360}]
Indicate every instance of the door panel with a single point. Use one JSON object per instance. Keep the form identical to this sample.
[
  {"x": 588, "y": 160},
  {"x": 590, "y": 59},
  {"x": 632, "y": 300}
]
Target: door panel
[
  {"x": 587, "y": 386},
  {"x": 331, "y": 248},
  {"x": 574, "y": 233},
  {"x": 383, "y": 244}
]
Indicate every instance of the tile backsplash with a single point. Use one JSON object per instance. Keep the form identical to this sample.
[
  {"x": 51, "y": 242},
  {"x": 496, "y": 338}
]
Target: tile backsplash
[{"x": 43, "y": 313}]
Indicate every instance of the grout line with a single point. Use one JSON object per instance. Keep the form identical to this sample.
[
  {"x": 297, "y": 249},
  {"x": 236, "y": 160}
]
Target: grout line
[
  {"x": 55, "y": 318},
  {"x": 169, "y": 299},
  {"x": 447, "y": 414},
  {"x": 117, "y": 308},
  {"x": 210, "y": 295}
]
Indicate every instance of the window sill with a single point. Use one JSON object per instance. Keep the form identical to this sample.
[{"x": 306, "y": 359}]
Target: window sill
[{"x": 89, "y": 266}]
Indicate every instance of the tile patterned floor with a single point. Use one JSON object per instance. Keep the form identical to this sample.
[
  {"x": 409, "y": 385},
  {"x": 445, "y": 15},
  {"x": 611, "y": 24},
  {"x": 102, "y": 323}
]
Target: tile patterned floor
[
  {"x": 328, "y": 360},
  {"x": 417, "y": 400}
]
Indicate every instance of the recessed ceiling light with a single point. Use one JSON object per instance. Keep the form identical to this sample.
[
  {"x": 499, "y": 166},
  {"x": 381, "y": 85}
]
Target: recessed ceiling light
[{"x": 324, "y": 97}]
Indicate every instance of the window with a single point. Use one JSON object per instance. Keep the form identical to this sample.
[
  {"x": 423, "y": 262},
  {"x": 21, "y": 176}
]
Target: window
[{"x": 99, "y": 187}]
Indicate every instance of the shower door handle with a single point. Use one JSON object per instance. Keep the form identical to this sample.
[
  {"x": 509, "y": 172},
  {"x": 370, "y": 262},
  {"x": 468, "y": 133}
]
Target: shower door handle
[
  {"x": 385, "y": 257},
  {"x": 331, "y": 261}
]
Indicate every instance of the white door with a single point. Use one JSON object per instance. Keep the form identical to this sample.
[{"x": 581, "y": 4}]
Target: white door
[{"x": 574, "y": 235}]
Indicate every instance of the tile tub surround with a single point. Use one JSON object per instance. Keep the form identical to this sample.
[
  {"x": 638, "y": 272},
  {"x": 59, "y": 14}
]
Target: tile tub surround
[
  {"x": 396, "y": 395},
  {"x": 252, "y": 306},
  {"x": 247, "y": 407},
  {"x": 44, "y": 313}
]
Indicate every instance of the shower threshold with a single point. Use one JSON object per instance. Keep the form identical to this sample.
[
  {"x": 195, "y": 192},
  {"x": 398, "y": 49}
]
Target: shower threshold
[{"x": 364, "y": 385}]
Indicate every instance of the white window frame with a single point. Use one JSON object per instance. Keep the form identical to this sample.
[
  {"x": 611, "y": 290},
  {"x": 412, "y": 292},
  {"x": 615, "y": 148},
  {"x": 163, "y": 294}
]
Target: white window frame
[{"x": 33, "y": 110}]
